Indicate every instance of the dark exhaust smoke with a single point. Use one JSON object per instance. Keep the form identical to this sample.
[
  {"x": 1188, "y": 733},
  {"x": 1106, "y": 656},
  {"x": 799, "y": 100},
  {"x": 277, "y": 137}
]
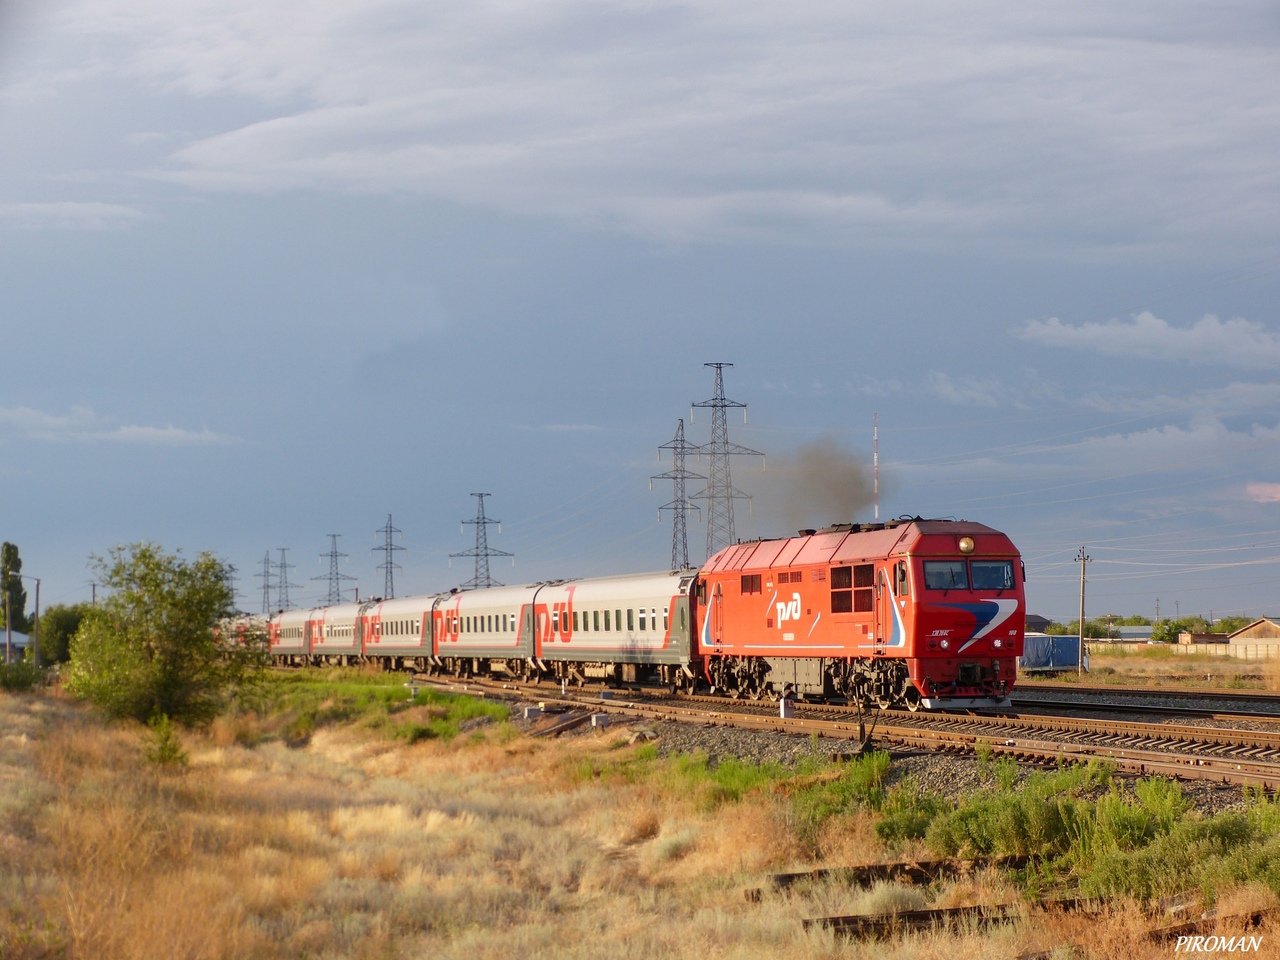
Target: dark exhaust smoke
[{"x": 818, "y": 484}]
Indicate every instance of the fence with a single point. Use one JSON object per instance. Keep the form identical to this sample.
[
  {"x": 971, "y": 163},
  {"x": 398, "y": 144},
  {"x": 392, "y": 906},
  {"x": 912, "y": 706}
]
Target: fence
[{"x": 1258, "y": 650}]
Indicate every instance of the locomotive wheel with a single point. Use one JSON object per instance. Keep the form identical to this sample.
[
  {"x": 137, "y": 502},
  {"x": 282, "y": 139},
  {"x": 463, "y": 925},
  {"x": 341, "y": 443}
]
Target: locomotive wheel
[{"x": 911, "y": 699}]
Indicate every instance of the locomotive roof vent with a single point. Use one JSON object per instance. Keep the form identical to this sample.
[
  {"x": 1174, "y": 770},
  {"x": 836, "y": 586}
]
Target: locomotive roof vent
[{"x": 806, "y": 533}]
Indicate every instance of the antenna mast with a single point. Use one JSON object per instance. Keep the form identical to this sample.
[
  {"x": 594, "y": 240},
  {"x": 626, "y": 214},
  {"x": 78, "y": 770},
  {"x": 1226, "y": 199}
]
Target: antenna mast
[
  {"x": 875, "y": 461},
  {"x": 680, "y": 504},
  {"x": 481, "y": 551},
  {"x": 720, "y": 492}
]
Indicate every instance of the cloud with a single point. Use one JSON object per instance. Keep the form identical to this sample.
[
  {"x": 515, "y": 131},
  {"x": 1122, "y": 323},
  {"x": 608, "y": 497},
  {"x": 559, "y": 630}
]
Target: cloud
[
  {"x": 1238, "y": 342},
  {"x": 968, "y": 391},
  {"x": 1264, "y": 492},
  {"x": 695, "y": 119},
  {"x": 67, "y": 215},
  {"x": 83, "y": 425}
]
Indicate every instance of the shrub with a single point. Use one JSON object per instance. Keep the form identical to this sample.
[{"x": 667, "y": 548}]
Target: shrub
[{"x": 149, "y": 648}]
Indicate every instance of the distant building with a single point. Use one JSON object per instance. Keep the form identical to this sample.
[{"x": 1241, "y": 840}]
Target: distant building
[
  {"x": 20, "y": 641},
  {"x": 1037, "y": 623},
  {"x": 1186, "y": 637},
  {"x": 1265, "y": 629},
  {"x": 1132, "y": 633}
]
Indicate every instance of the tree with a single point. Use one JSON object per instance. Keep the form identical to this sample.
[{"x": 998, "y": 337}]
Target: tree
[
  {"x": 58, "y": 624},
  {"x": 11, "y": 587},
  {"x": 149, "y": 648}
]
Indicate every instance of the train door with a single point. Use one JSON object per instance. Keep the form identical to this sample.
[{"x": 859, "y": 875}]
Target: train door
[
  {"x": 716, "y": 616},
  {"x": 884, "y": 612}
]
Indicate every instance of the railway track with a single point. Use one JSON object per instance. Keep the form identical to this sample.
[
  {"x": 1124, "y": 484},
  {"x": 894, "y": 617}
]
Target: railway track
[
  {"x": 1267, "y": 700},
  {"x": 1169, "y": 749}
]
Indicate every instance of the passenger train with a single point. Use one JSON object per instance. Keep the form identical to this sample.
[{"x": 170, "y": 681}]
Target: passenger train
[{"x": 910, "y": 612}]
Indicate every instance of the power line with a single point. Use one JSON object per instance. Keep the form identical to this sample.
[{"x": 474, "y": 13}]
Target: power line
[
  {"x": 680, "y": 504},
  {"x": 388, "y": 565},
  {"x": 481, "y": 551},
  {"x": 334, "y": 577},
  {"x": 719, "y": 491}
]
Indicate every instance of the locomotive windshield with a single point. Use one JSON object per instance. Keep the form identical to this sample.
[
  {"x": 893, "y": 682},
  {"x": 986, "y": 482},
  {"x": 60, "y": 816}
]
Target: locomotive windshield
[
  {"x": 946, "y": 575},
  {"x": 955, "y": 574},
  {"x": 992, "y": 575}
]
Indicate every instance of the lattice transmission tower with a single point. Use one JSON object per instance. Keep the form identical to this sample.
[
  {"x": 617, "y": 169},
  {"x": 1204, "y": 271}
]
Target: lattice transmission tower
[
  {"x": 265, "y": 577},
  {"x": 481, "y": 551},
  {"x": 720, "y": 491},
  {"x": 680, "y": 503},
  {"x": 334, "y": 577},
  {"x": 282, "y": 579},
  {"x": 388, "y": 565}
]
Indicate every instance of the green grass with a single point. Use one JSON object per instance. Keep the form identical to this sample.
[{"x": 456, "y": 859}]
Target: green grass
[{"x": 306, "y": 699}]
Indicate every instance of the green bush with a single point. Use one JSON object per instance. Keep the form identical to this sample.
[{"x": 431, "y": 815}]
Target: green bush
[
  {"x": 908, "y": 811},
  {"x": 164, "y": 748},
  {"x": 20, "y": 675}
]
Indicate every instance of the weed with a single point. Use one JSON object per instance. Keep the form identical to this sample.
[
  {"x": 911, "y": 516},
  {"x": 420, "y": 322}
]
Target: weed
[
  {"x": 1005, "y": 771},
  {"x": 982, "y": 750}
]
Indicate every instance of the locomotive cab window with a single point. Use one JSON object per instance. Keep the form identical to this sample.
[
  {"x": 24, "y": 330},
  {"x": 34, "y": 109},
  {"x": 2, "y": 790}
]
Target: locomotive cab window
[
  {"x": 946, "y": 575},
  {"x": 992, "y": 574},
  {"x": 900, "y": 586}
]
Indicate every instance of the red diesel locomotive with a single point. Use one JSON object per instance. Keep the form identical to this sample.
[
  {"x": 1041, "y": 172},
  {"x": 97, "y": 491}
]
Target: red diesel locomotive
[{"x": 911, "y": 613}]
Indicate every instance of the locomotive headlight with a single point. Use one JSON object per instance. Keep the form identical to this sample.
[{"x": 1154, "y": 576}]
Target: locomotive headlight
[
  {"x": 966, "y": 545},
  {"x": 946, "y": 644}
]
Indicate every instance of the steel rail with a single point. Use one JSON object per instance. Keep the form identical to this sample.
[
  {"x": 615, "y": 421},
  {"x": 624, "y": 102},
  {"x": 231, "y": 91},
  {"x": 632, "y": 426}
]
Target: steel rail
[{"x": 1229, "y": 756}]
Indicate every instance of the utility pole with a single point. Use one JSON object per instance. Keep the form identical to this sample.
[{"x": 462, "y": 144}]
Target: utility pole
[
  {"x": 388, "y": 565},
  {"x": 35, "y": 626},
  {"x": 334, "y": 577},
  {"x": 1157, "y": 611},
  {"x": 1083, "y": 558},
  {"x": 1177, "y": 610},
  {"x": 481, "y": 551},
  {"x": 720, "y": 492},
  {"x": 679, "y": 505},
  {"x": 93, "y": 586}
]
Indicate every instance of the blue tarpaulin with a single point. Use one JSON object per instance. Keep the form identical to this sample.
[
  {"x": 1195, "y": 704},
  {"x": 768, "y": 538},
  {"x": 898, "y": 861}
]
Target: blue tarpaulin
[{"x": 1043, "y": 652}]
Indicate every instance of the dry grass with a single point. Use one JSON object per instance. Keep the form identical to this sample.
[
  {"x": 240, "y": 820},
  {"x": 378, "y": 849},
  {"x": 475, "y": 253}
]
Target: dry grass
[
  {"x": 1161, "y": 665},
  {"x": 356, "y": 846}
]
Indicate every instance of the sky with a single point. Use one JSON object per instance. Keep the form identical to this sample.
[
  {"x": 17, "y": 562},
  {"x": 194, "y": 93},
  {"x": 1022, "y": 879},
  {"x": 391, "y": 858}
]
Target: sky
[{"x": 270, "y": 272}]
